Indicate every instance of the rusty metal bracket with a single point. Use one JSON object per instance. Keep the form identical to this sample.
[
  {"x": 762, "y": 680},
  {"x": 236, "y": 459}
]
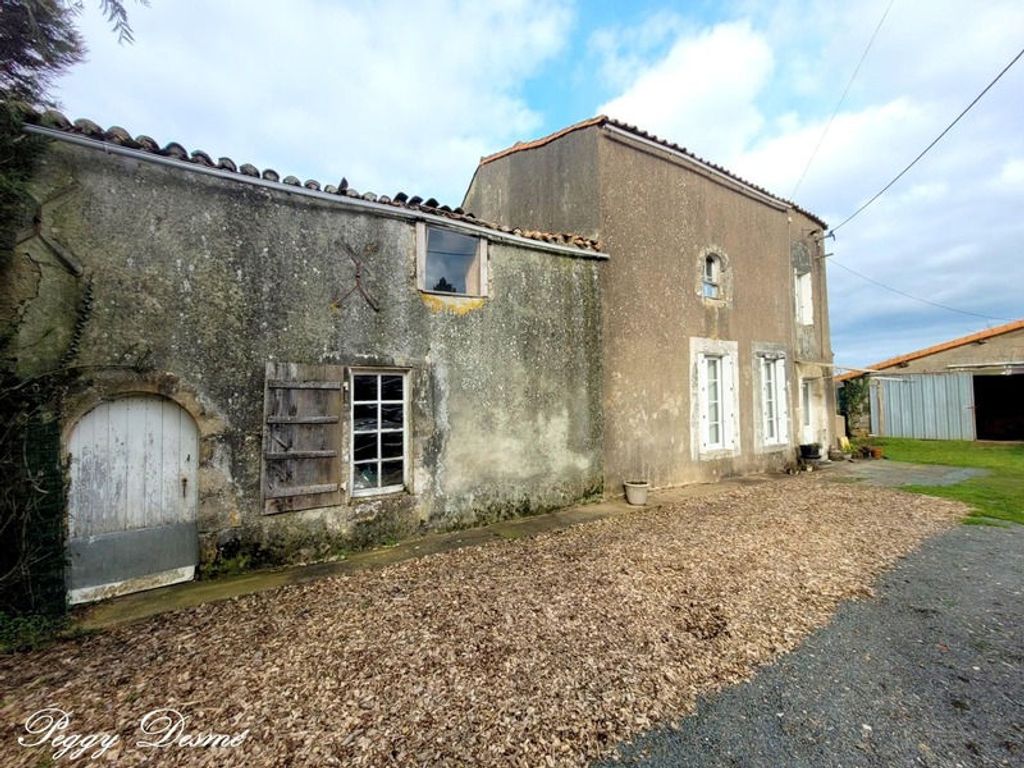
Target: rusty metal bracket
[{"x": 358, "y": 287}]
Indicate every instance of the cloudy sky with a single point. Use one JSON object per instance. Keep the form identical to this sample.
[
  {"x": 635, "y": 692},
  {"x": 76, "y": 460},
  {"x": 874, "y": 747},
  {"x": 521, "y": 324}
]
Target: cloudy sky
[{"x": 408, "y": 96}]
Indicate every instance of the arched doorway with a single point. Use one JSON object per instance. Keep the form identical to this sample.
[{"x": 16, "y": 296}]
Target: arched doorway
[{"x": 133, "y": 497}]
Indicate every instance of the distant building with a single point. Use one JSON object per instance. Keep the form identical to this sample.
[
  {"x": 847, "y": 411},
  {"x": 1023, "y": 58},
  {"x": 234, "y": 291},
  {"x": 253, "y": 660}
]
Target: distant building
[{"x": 969, "y": 388}]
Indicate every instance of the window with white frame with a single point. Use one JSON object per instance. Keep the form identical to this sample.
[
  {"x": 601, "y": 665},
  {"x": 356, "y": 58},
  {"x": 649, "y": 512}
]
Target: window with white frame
[
  {"x": 712, "y": 282},
  {"x": 713, "y": 399},
  {"x": 774, "y": 404},
  {"x": 379, "y": 431},
  {"x": 716, "y": 401},
  {"x": 451, "y": 262},
  {"x": 804, "y": 299}
]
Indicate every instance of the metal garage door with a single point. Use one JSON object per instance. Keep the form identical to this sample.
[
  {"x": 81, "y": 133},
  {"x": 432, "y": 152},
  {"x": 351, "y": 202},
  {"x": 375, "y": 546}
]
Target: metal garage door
[
  {"x": 927, "y": 406},
  {"x": 133, "y": 497}
]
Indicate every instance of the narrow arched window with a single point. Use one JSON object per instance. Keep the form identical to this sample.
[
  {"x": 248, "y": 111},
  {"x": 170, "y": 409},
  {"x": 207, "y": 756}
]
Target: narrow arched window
[{"x": 712, "y": 276}]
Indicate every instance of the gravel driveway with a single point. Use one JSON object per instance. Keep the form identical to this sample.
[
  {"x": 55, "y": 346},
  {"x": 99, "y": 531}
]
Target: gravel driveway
[
  {"x": 929, "y": 673},
  {"x": 541, "y": 651}
]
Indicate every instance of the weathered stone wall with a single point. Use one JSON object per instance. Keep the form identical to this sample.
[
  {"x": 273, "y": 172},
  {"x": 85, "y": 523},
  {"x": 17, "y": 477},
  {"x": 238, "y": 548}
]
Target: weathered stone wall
[
  {"x": 197, "y": 282},
  {"x": 659, "y": 218}
]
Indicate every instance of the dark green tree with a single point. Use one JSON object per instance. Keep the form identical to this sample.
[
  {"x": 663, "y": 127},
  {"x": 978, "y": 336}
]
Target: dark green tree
[
  {"x": 443, "y": 286},
  {"x": 38, "y": 42}
]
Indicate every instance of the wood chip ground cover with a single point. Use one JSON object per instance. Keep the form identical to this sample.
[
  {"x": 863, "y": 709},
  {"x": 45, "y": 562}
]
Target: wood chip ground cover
[{"x": 540, "y": 651}]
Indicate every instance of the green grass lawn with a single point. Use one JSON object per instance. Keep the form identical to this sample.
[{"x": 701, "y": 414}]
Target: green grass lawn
[{"x": 996, "y": 496}]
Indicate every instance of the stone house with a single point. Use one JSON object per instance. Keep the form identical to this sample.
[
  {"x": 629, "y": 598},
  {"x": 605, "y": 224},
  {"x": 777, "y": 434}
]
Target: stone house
[
  {"x": 967, "y": 388},
  {"x": 717, "y": 355},
  {"x": 272, "y": 370}
]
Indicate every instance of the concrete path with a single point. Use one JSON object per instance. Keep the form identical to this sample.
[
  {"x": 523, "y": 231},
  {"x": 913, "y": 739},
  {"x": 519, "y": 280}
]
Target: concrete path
[
  {"x": 896, "y": 473},
  {"x": 930, "y": 672},
  {"x": 141, "y": 605}
]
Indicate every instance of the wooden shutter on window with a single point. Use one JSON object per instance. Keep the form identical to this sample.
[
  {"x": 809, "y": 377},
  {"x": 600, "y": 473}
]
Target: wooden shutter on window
[{"x": 302, "y": 437}]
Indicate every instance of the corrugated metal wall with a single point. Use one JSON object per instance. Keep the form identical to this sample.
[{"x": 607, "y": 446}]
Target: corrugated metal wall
[{"x": 927, "y": 406}]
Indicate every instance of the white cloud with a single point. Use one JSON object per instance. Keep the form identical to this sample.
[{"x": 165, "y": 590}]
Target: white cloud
[
  {"x": 393, "y": 95},
  {"x": 703, "y": 90},
  {"x": 397, "y": 95},
  {"x": 949, "y": 231},
  {"x": 1012, "y": 173}
]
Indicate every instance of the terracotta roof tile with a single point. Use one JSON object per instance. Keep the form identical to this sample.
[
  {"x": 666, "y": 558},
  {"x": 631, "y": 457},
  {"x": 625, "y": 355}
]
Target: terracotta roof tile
[
  {"x": 602, "y": 120},
  {"x": 945, "y": 346},
  {"x": 117, "y": 135}
]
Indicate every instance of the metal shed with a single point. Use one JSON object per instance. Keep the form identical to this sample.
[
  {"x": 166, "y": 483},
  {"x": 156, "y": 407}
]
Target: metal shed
[{"x": 937, "y": 406}]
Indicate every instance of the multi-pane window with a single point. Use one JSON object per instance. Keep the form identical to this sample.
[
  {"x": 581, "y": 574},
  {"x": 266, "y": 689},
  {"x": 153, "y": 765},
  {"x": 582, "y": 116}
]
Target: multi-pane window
[
  {"x": 378, "y": 432},
  {"x": 715, "y": 410},
  {"x": 771, "y": 412},
  {"x": 714, "y": 402},
  {"x": 773, "y": 399},
  {"x": 712, "y": 277},
  {"x": 452, "y": 262}
]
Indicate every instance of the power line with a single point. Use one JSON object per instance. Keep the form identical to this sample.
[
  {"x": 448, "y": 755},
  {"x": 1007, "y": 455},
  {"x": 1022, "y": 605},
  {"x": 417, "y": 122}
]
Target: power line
[
  {"x": 934, "y": 142},
  {"x": 862, "y": 276},
  {"x": 839, "y": 104}
]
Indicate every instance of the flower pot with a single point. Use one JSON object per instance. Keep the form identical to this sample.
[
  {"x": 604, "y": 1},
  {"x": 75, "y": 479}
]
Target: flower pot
[
  {"x": 876, "y": 452},
  {"x": 810, "y": 451},
  {"x": 636, "y": 492}
]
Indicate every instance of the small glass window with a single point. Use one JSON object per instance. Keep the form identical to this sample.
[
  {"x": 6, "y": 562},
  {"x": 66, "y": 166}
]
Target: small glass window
[
  {"x": 712, "y": 277},
  {"x": 452, "y": 263},
  {"x": 379, "y": 429},
  {"x": 714, "y": 401},
  {"x": 770, "y": 412}
]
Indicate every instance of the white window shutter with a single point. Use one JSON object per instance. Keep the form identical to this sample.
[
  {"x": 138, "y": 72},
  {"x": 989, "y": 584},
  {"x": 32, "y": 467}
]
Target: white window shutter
[
  {"x": 762, "y": 372},
  {"x": 729, "y": 399},
  {"x": 702, "y": 398},
  {"x": 783, "y": 399}
]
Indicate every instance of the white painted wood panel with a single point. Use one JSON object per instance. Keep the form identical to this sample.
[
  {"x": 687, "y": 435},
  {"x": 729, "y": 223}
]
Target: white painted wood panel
[{"x": 129, "y": 458}]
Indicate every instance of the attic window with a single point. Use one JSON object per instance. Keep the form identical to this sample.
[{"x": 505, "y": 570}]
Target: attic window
[
  {"x": 712, "y": 288},
  {"x": 451, "y": 262}
]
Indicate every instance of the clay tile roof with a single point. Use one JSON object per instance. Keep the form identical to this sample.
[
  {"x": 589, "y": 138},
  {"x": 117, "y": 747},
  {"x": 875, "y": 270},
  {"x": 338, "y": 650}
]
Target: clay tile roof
[
  {"x": 116, "y": 135},
  {"x": 602, "y": 120},
  {"x": 147, "y": 143},
  {"x": 175, "y": 150},
  {"x": 945, "y": 346},
  {"x": 119, "y": 135}
]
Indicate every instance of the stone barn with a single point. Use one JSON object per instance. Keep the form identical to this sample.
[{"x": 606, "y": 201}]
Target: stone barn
[{"x": 280, "y": 371}]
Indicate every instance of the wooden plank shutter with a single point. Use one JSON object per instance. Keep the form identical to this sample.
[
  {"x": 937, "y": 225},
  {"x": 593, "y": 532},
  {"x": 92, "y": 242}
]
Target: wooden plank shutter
[{"x": 302, "y": 437}]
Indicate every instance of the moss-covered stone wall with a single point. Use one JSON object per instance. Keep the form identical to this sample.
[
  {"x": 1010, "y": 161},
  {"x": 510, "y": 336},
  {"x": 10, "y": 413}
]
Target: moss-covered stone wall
[{"x": 196, "y": 282}]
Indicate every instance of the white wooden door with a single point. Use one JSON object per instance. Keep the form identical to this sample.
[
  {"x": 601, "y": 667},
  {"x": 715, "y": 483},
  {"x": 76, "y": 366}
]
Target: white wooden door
[
  {"x": 133, "y": 498},
  {"x": 808, "y": 417}
]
